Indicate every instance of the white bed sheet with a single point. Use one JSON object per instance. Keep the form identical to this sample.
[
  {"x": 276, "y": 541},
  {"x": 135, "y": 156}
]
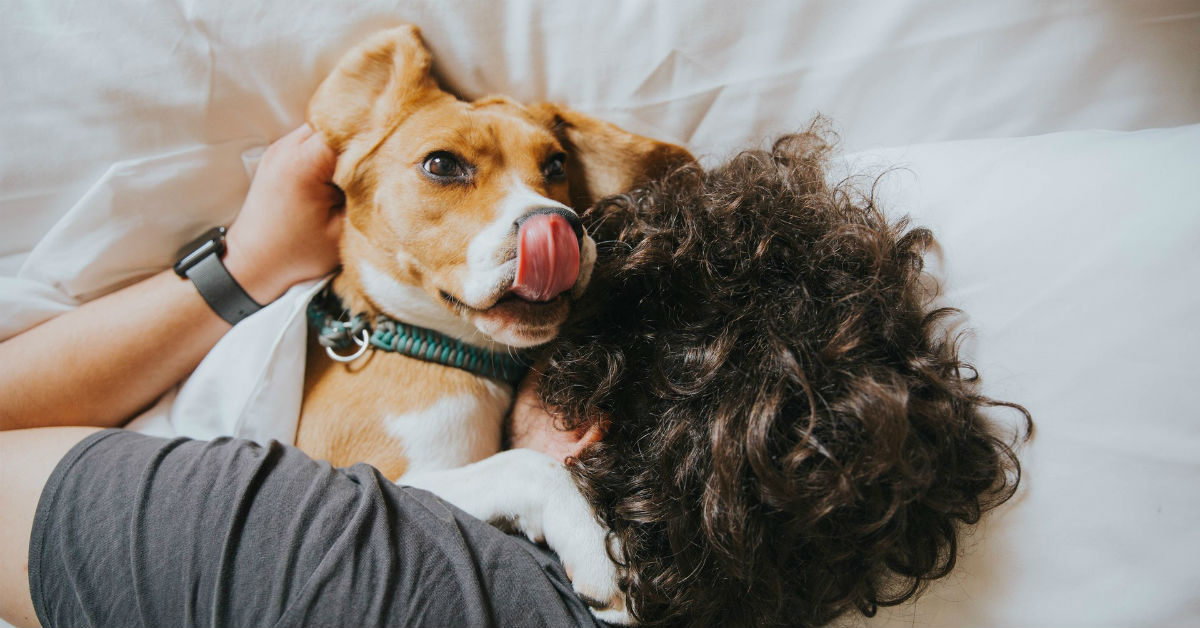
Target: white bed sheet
[{"x": 130, "y": 127}]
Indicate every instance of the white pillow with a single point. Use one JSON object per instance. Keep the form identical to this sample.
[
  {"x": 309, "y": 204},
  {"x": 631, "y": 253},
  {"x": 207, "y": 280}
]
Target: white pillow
[{"x": 1075, "y": 257}]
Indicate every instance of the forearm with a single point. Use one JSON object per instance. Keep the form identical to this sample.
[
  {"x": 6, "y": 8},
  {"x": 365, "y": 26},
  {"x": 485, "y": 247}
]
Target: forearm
[{"x": 101, "y": 363}]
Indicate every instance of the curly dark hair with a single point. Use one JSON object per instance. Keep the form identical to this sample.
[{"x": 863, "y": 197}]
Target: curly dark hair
[{"x": 790, "y": 432}]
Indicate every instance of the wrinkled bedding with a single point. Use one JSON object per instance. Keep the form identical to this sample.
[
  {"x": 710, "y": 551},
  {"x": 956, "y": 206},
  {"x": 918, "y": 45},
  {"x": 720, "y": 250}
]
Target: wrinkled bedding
[{"x": 1052, "y": 147}]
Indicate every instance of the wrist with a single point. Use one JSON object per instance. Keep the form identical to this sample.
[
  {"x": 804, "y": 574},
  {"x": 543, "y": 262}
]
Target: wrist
[
  {"x": 261, "y": 280},
  {"x": 203, "y": 262}
]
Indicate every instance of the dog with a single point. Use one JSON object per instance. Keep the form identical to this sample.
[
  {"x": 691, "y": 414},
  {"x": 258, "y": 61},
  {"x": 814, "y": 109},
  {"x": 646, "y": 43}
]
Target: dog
[{"x": 462, "y": 247}]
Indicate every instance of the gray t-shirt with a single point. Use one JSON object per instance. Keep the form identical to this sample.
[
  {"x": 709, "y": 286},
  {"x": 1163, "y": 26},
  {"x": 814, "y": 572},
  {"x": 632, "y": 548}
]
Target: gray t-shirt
[{"x": 133, "y": 530}]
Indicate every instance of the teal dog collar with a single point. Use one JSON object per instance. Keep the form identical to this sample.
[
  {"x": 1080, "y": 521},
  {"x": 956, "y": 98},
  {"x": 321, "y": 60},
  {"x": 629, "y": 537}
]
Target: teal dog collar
[{"x": 327, "y": 317}]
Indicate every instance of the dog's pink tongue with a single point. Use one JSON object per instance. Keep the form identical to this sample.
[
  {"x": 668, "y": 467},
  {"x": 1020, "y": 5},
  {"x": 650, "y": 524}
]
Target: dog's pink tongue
[{"x": 547, "y": 258}]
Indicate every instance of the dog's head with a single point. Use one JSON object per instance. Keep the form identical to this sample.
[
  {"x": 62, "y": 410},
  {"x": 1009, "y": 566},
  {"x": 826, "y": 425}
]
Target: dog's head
[{"x": 462, "y": 216}]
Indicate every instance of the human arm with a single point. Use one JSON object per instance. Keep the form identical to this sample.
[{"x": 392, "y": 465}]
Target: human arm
[
  {"x": 27, "y": 458},
  {"x": 139, "y": 530},
  {"x": 106, "y": 360},
  {"x": 534, "y": 425}
]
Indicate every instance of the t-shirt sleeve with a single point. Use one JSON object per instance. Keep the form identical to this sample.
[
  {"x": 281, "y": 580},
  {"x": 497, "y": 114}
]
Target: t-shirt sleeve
[{"x": 133, "y": 530}]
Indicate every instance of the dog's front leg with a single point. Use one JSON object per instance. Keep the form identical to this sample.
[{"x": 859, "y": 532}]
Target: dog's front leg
[{"x": 535, "y": 494}]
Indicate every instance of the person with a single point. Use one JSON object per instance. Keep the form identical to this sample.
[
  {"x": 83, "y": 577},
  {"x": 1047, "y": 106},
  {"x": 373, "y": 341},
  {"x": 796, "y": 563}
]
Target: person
[{"x": 786, "y": 433}]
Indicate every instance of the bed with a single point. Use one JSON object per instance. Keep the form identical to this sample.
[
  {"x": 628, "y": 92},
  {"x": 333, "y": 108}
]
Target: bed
[{"x": 1054, "y": 149}]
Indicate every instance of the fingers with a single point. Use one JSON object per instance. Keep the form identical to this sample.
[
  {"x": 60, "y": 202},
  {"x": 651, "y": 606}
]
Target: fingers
[
  {"x": 313, "y": 159},
  {"x": 333, "y": 197},
  {"x": 335, "y": 225},
  {"x": 297, "y": 135},
  {"x": 321, "y": 156},
  {"x": 306, "y": 145},
  {"x": 302, "y": 160}
]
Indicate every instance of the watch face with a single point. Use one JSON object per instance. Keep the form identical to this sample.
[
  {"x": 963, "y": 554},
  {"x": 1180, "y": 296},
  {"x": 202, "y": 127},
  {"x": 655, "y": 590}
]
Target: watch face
[{"x": 213, "y": 241}]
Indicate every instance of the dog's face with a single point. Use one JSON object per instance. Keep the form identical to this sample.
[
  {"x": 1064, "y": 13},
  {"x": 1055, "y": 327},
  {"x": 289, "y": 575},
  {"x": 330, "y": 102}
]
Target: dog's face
[
  {"x": 468, "y": 205},
  {"x": 462, "y": 215}
]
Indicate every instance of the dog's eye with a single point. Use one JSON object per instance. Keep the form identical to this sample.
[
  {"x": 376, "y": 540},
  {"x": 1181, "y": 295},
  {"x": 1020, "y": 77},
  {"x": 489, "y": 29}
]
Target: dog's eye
[
  {"x": 444, "y": 165},
  {"x": 556, "y": 167}
]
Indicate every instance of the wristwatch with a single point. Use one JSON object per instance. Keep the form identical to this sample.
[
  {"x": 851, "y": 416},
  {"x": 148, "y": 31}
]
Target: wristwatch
[{"x": 200, "y": 261}]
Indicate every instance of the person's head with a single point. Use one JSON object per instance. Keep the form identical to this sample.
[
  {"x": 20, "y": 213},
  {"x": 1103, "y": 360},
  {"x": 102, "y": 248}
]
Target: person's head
[{"x": 789, "y": 433}]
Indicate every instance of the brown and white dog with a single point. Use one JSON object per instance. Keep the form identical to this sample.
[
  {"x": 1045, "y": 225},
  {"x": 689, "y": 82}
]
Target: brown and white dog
[{"x": 461, "y": 218}]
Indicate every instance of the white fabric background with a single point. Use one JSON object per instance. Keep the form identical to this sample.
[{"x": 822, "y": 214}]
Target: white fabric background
[{"x": 1053, "y": 148}]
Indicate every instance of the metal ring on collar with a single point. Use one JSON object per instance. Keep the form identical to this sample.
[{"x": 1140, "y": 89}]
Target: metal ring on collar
[{"x": 363, "y": 345}]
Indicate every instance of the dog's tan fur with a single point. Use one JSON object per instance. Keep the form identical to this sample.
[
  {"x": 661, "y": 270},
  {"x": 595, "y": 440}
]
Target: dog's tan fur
[{"x": 382, "y": 112}]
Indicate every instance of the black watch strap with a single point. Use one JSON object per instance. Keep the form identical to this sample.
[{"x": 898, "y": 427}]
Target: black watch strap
[{"x": 222, "y": 292}]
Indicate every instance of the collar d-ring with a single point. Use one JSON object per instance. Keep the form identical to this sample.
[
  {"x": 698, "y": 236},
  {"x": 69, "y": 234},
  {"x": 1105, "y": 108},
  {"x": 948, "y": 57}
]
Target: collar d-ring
[{"x": 363, "y": 345}]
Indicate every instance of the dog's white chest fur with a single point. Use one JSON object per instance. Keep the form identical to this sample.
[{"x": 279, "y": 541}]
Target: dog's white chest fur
[{"x": 456, "y": 429}]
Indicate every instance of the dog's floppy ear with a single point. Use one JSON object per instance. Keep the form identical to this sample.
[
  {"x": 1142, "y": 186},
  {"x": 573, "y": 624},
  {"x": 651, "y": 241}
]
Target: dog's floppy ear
[
  {"x": 604, "y": 159},
  {"x": 374, "y": 86}
]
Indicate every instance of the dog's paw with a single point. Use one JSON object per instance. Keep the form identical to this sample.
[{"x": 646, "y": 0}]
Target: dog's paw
[
  {"x": 559, "y": 516},
  {"x": 572, "y": 531},
  {"x": 535, "y": 495}
]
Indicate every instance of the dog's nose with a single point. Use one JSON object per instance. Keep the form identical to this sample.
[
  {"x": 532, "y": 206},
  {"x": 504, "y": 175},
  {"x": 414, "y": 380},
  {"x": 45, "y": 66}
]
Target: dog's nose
[{"x": 571, "y": 217}]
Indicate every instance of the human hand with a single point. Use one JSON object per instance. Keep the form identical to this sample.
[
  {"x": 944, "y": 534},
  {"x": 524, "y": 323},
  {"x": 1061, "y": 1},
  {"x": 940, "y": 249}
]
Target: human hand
[
  {"x": 533, "y": 425},
  {"x": 290, "y": 224}
]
